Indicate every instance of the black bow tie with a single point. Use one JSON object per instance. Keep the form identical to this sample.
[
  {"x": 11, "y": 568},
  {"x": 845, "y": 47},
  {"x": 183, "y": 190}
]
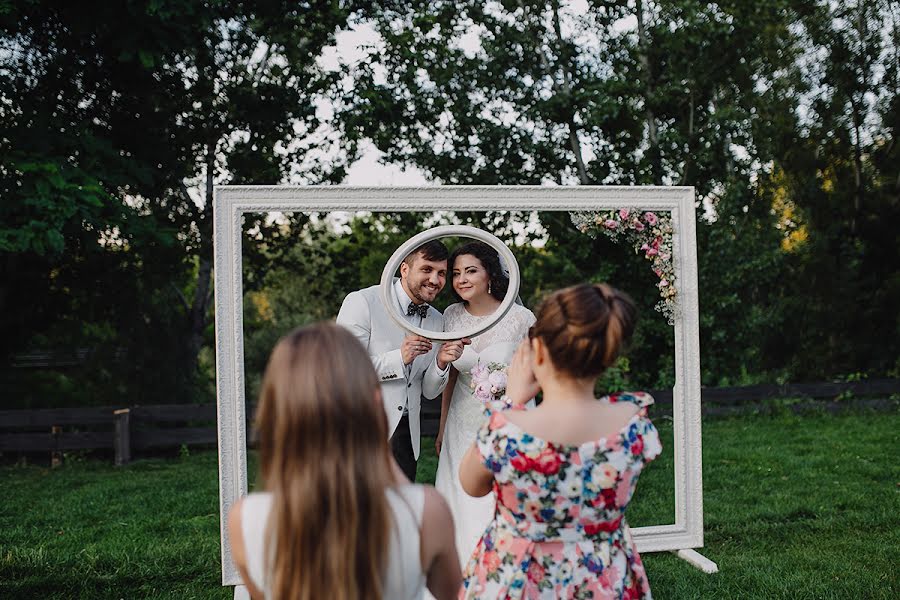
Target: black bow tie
[{"x": 422, "y": 309}]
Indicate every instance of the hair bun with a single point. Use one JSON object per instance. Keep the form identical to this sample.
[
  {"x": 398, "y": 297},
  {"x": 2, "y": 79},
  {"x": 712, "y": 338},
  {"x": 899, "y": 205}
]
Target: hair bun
[{"x": 585, "y": 327}]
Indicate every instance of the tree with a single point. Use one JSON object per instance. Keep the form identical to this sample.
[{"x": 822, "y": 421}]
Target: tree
[
  {"x": 107, "y": 126},
  {"x": 532, "y": 92}
]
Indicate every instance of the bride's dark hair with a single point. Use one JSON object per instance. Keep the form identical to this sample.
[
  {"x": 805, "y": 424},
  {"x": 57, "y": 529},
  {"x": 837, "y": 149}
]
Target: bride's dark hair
[
  {"x": 490, "y": 260},
  {"x": 585, "y": 327}
]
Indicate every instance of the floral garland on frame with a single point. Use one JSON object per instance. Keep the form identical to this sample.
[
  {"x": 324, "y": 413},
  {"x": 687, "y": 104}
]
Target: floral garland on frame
[{"x": 646, "y": 232}]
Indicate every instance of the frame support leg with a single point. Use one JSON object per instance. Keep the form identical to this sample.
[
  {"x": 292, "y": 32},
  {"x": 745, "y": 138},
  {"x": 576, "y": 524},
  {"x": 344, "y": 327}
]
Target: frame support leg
[
  {"x": 697, "y": 559},
  {"x": 241, "y": 593}
]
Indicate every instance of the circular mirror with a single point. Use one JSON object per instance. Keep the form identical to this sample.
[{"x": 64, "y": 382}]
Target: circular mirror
[{"x": 387, "y": 280}]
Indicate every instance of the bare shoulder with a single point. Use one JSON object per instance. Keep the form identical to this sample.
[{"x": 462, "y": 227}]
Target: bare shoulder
[
  {"x": 235, "y": 532},
  {"x": 436, "y": 531},
  {"x": 436, "y": 507}
]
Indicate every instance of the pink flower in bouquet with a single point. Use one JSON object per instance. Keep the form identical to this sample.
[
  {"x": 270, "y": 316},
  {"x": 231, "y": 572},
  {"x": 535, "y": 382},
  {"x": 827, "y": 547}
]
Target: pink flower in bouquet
[
  {"x": 651, "y": 218},
  {"x": 610, "y": 224},
  {"x": 623, "y": 213},
  {"x": 483, "y": 391},
  {"x": 479, "y": 371},
  {"x": 497, "y": 379},
  {"x": 488, "y": 381},
  {"x": 649, "y": 251},
  {"x": 663, "y": 283}
]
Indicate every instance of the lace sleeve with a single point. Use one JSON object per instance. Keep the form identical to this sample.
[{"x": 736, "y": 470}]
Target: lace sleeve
[
  {"x": 519, "y": 320},
  {"x": 451, "y": 317},
  {"x": 528, "y": 319}
]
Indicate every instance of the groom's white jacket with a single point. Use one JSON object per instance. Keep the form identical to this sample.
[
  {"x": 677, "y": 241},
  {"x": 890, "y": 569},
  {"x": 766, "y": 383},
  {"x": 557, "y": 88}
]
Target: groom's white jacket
[{"x": 364, "y": 315}]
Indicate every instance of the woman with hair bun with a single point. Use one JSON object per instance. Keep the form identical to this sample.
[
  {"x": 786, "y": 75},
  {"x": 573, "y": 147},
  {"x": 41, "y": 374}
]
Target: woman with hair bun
[
  {"x": 337, "y": 518},
  {"x": 563, "y": 472}
]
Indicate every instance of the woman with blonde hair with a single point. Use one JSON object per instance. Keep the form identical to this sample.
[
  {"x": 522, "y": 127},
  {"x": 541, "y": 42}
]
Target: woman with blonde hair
[
  {"x": 563, "y": 472},
  {"x": 337, "y": 519}
]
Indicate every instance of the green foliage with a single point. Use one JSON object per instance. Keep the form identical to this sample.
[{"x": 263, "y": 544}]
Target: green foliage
[
  {"x": 783, "y": 116},
  {"x": 103, "y": 130}
]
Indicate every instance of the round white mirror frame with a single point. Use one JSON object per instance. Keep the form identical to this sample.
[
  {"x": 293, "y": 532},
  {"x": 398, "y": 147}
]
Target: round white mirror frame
[{"x": 387, "y": 280}]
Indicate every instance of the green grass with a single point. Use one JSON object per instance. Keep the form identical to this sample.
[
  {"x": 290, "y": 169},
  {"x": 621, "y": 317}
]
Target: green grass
[{"x": 795, "y": 507}]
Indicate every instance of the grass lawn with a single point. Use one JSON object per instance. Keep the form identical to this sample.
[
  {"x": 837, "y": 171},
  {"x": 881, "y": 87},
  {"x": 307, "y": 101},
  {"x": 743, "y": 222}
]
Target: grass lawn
[{"x": 795, "y": 507}]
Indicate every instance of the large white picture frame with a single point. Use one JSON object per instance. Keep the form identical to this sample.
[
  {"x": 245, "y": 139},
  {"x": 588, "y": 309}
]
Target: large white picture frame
[{"x": 231, "y": 202}]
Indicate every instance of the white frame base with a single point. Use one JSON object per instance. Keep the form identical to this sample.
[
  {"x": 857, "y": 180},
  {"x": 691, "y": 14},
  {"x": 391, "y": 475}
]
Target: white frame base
[{"x": 697, "y": 560}]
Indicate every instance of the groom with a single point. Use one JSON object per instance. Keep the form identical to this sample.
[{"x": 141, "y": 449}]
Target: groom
[{"x": 409, "y": 366}]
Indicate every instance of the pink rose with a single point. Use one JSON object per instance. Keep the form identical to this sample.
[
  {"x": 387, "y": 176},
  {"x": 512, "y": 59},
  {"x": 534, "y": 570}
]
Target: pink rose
[
  {"x": 637, "y": 225},
  {"x": 520, "y": 462},
  {"x": 610, "y": 224},
  {"x": 497, "y": 379},
  {"x": 535, "y": 572},
  {"x": 638, "y": 446},
  {"x": 548, "y": 462},
  {"x": 651, "y": 218},
  {"x": 491, "y": 561},
  {"x": 483, "y": 392},
  {"x": 623, "y": 213},
  {"x": 649, "y": 251}
]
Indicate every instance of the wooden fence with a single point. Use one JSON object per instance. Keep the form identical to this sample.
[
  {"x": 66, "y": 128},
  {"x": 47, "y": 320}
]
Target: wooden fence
[
  {"x": 138, "y": 428},
  {"x": 108, "y": 427}
]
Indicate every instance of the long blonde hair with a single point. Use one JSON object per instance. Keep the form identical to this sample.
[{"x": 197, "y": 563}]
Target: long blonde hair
[{"x": 325, "y": 458}]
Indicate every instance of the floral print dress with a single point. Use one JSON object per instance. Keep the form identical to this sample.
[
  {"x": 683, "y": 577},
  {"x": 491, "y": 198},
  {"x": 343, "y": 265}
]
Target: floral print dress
[{"x": 559, "y": 528}]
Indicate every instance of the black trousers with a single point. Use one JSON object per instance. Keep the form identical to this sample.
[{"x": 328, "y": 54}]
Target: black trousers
[{"x": 401, "y": 446}]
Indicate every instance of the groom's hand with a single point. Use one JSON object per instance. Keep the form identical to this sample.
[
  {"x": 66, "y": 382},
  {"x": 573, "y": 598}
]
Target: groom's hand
[
  {"x": 450, "y": 351},
  {"x": 413, "y": 346}
]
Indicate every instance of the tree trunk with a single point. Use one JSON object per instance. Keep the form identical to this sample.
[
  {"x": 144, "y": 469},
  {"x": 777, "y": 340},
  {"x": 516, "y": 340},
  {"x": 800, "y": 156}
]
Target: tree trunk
[
  {"x": 566, "y": 89},
  {"x": 652, "y": 134},
  {"x": 198, "y": 314},
  {"x": 690, "y": 137}
]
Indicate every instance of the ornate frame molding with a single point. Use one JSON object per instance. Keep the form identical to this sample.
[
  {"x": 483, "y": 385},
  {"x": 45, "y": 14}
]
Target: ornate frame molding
[{"x": 231, "y": 202}]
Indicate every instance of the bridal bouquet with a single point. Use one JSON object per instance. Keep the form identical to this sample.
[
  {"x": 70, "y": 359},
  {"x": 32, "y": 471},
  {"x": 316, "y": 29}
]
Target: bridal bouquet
[{"x": 488, "y": 381}]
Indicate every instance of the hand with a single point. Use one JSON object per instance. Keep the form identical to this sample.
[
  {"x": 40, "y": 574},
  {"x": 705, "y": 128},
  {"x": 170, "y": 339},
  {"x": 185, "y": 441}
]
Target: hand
[
  {"x": 521, "y": 385},
  {"x": 450, "y": 351},
  {"x": 413, "y": 346}
]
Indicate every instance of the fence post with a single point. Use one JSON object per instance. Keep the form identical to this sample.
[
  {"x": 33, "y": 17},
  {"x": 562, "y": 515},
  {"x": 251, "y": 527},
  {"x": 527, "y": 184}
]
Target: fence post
[
  {"x": 55, "y": 455},
  {"x": 123, "y": 436}
]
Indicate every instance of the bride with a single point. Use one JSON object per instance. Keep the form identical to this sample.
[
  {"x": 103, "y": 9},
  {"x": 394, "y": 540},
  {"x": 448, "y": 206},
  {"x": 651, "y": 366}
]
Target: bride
[{"x": 480, "y": 283}]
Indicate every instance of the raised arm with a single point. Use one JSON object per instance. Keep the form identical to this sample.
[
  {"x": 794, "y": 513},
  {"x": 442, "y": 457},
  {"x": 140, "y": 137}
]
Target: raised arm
[{"x": 476, "y": 480}]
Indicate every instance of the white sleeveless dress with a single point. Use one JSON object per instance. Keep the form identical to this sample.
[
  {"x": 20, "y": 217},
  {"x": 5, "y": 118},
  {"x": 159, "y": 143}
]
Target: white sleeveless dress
[
  {"x": 404, "y": 578},
  {"x": 465, "y": 416}
]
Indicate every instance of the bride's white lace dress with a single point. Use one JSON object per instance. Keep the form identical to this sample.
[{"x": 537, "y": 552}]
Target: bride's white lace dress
[{"x": 466, "y": 415}]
